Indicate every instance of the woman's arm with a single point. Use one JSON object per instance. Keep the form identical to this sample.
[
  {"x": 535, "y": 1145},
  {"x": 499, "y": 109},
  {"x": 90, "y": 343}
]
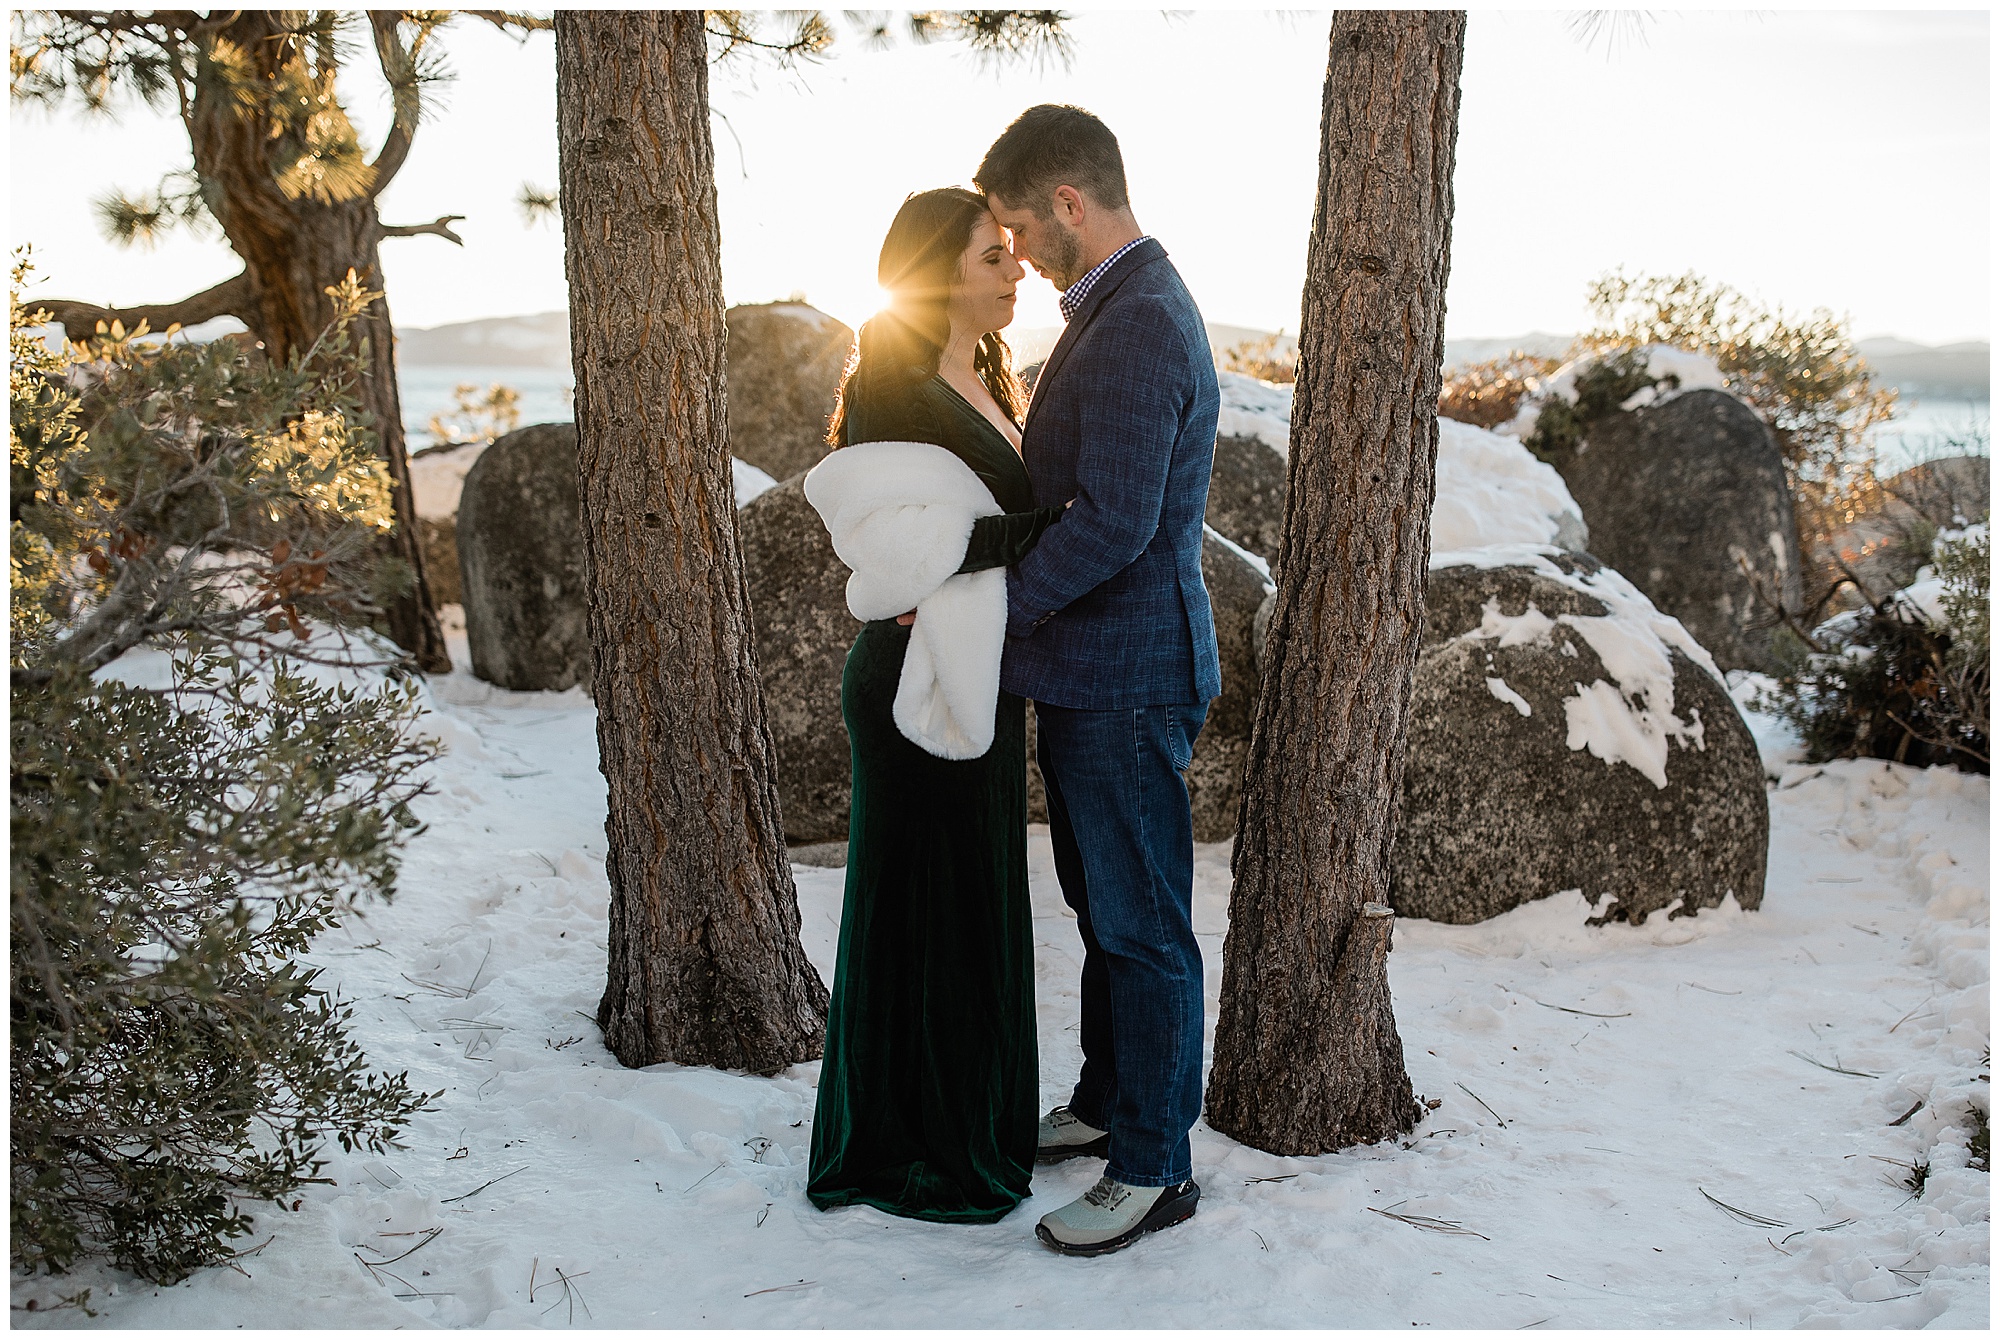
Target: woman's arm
[{"x": 1000, "y": 541}]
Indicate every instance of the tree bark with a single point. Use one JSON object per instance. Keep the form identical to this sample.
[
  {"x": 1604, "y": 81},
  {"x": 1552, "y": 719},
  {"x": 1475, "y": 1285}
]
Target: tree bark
[
  {"x": 705, "y": 962},
  {"x": 79, "y": 319},
  {"x": 1307, "y": 1058},
  {"x": 293, "y": 249}
]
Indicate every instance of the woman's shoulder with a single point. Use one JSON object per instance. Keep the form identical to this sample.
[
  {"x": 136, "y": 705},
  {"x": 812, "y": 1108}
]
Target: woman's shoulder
[{"x": 888, "y": 408}]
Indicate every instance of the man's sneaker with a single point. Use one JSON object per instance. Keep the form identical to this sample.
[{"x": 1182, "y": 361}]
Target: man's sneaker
[
  {"x": 1062, "y": 1135},
  {"x": 1112, "y": 1215}
]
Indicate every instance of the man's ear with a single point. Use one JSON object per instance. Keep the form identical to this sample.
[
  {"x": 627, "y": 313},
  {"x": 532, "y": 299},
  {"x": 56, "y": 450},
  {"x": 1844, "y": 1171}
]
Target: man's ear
[{"x": 1069, "y": 204}]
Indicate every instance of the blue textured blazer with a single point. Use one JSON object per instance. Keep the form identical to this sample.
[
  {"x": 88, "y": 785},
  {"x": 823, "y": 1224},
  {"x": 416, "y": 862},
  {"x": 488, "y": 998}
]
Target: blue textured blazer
[{"x": 1109, "y": 609}]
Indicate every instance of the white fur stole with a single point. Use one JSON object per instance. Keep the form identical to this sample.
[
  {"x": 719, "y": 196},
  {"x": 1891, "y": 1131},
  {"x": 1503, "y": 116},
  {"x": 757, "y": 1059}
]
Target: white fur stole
[{"x": 900, "y": 514}]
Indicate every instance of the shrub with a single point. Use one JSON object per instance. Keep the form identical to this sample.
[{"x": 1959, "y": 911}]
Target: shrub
[
  {"x": 1801, "y": 374},
  {"x": 1889, "y": 681},
  {"x": 1267, "y": 359},
  {"x": 1601, "y": 387},
  {"x": 178, "y": 839},
  {"x": 1489, "y": 394},
  {"x": 476, "y": 416}
]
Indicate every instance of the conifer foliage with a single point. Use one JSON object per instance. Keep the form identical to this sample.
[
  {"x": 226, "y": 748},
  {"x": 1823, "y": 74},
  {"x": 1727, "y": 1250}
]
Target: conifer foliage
[{"x": 184, "y": 822}]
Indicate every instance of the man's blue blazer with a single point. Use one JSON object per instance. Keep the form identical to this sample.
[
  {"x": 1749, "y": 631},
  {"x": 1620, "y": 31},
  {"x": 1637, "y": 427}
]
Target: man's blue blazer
[{"x": 1109, "y": 610}]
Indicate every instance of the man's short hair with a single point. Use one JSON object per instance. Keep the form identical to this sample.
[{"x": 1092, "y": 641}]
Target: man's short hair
[{"x": 1050, "y": 146}]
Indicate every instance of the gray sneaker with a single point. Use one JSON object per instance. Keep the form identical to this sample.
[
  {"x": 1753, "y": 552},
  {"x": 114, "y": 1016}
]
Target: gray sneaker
[
  {"x": 1062, "y": 1135},
  {"x": 1111, "y": 1216}
]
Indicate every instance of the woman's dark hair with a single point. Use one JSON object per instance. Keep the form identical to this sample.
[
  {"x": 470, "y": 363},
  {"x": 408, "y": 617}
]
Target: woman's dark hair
[
  {"x": 1050, "y": 146},
  {"x": 899, "y": 347}
]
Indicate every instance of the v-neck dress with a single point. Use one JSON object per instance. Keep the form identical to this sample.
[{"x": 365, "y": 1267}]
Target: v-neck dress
[{"x": 929, "y": 1093}]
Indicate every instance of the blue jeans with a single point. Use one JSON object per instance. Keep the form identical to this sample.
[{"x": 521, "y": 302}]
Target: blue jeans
[{"x": 1124, "y": 850}]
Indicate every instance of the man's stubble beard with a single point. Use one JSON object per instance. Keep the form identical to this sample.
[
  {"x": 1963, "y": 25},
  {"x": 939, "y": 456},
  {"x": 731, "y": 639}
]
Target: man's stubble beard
[{"x": 1064, "y": 264}]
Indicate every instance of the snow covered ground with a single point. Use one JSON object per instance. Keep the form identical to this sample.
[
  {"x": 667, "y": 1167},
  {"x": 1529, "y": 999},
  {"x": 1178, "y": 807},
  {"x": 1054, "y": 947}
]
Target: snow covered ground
[{"x": 1599, "y": 1087}]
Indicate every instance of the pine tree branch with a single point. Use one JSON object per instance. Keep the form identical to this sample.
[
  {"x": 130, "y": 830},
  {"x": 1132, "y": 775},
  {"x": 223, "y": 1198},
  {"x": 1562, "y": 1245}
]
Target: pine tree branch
[
  {"x": 78, "y": 319},
  {"x": 389, "y": 53},
  {"x": 507, "y": 20},
  {"x": 441, "y": 228}
]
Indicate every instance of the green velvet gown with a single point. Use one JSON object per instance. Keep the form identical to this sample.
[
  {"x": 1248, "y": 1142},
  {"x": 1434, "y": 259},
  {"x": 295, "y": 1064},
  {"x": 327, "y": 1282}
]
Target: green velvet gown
[{"x": 929, "y": 1093}]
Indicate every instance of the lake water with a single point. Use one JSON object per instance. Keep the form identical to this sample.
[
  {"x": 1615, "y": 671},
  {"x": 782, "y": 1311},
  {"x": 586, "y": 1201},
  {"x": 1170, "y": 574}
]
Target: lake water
[
  {"x": 1922, "y": 429},
  {"x": 431, "y": 390}
]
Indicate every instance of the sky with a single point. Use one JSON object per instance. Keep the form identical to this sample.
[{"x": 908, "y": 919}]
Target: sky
[{"x": 1812, "y": 159}]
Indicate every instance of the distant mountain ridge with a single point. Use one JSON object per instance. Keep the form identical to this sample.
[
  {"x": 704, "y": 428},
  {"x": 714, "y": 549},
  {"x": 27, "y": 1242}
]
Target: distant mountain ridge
[
  {"x": 537, "y": 341},
  {"x": 541, "y": 340}
]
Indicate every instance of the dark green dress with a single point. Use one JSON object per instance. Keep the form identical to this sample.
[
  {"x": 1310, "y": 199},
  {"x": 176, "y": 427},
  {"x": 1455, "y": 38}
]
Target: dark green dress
[{"x": 929, "y": 1092}]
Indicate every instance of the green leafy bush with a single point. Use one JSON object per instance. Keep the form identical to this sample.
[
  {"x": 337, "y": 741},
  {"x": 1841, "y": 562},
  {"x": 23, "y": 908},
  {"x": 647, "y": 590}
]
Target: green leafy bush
[
  {"x": 1601, "y": 388},
  {"x": 183, "y": 824}
]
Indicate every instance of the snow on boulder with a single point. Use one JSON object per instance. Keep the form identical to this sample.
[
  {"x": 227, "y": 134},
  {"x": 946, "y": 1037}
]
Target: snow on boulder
[
  {"x": 1690, "y": 371},
  {"x": 785, "y": 360},
  {"x": 748, "y": 480},
  {"x": 1490, "y": 489},
  {"x": 1565, "y": 734},
  {"x": 1254, "y": 408}
]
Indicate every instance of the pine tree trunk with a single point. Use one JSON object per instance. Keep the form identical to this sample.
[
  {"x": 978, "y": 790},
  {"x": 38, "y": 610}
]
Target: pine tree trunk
[
  {"x": 1307, "y": 1058},
  {"x": 293, "y": 250},
  {"x": 706, "y": 966}
]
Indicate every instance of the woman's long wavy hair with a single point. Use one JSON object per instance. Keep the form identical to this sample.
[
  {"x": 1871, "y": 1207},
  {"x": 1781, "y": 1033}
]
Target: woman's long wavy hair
[{"x": 899, "y": 347}]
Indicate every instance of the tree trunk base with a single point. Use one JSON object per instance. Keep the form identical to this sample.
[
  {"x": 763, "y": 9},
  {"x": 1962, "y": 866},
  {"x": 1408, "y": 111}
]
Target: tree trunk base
[{"x": 1344, "y": 1084}]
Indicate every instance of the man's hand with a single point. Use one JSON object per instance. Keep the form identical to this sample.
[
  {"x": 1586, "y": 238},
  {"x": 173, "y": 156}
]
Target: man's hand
[{"x": 907, "y": 619}]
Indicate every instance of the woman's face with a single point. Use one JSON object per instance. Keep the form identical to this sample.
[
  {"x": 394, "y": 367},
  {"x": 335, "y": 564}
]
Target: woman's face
[{"x": 983, "y": 298}]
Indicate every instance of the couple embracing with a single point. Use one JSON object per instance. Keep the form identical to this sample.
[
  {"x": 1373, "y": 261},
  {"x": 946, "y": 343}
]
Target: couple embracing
[{"x": 1006, "y": 550}]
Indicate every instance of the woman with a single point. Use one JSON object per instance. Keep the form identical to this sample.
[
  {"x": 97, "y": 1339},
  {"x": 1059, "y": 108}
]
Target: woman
[{"x": 929, "y": 1093}]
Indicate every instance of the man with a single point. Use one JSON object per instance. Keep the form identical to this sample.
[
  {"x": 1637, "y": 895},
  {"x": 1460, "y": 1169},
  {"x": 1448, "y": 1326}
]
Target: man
[{"x": 1109, "y": 632}]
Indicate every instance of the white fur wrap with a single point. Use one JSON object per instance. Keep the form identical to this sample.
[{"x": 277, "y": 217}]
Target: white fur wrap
[{"x": 900, "y": 514}]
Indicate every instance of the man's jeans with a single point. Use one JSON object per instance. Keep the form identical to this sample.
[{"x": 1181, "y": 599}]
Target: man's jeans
[{"x": 1124, "y": 849}]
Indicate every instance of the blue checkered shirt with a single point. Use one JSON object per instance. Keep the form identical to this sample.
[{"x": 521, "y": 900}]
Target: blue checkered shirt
[{"x": 1073, "y": 296}]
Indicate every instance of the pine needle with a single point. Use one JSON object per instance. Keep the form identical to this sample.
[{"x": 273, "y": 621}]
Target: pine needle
[
  {"x": 1823, "y": 1228},
  {"x": 782, "y": 1288},
  {"x": 430, "y": 1235},
  {"x": 1589, "y": 1014},
  {"x": 1483, "y": 1103},
  {"x": 483, "y": 1185},
  {"x": 1746, "y": 1216},
  {"x": 1838, "y": 1070},
  {"x": 1430, "y": 1224}
]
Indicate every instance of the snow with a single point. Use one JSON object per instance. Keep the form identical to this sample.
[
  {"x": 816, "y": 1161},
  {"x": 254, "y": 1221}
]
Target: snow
[
  {"x": 749, "y": 480},
  {"x": 1490, "y": 489},
  {"x": 1254, "y": 408},
  {"x": 1695, "y": 371},
  {"x": 1629, "y": 718},
  {"x": 1254, "y": 560},
  {"x": 1596, "y": 1081},
  {"x": 1777, "y": 745},
  {"x": 1504, "y": 691}
]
